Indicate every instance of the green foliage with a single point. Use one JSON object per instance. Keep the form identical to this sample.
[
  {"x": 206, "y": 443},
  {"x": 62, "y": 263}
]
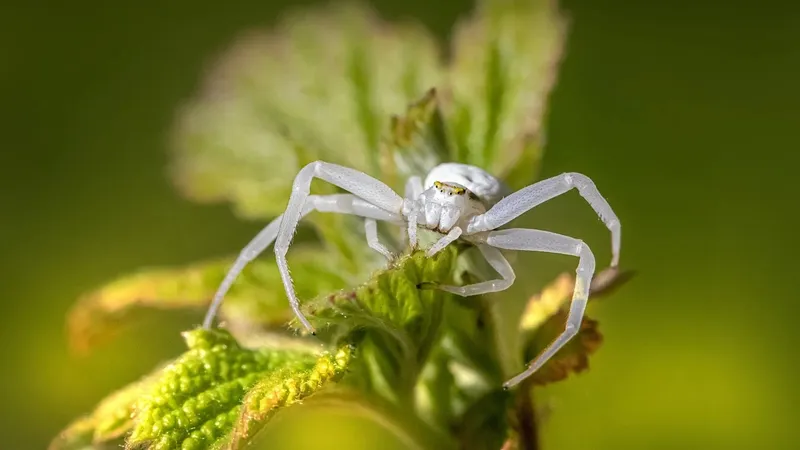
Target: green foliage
[
  {"x": 328, "y": 84},
  {"x": 505, "y": 61},
  {"x": 100, "y": 314},
  {"x": 284, "y": 388}
]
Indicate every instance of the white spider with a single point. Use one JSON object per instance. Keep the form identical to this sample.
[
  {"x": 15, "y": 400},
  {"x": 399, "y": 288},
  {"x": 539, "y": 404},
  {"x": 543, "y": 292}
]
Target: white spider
[{"x": 458, "y": 201}]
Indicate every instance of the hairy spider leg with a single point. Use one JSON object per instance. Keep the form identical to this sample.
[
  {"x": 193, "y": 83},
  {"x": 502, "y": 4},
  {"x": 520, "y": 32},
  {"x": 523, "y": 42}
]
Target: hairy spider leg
[
  {"x": 531, "y": 196},
  {"x": 362, "y": 185},
  {"x": 371, "y": 229},
  {"x": 337, "y": 203}
]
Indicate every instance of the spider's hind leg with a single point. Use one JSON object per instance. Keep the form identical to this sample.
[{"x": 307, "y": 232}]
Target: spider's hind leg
[
  {"x": 371, "y": 191},
  {"x": 545, "y": 241}
]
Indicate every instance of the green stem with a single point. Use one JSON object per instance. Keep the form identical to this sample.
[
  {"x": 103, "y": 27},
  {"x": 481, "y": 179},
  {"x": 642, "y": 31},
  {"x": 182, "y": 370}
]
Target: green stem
[{"x": 526, "y": 418}]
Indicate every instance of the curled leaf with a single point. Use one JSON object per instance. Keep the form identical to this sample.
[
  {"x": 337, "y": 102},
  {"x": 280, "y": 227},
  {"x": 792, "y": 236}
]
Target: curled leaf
[
  {"x": 572, "y": 358},
  {"x": 284, "y": 388},
  {"x": 196, "y": 400},
  {"x": 544, "y": 319},
  {"x": 257, "y": 297}
]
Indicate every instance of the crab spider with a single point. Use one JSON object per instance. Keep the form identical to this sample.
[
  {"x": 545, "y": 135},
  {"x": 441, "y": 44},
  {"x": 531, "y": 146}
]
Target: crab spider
[{"x": 459, "y": 202}]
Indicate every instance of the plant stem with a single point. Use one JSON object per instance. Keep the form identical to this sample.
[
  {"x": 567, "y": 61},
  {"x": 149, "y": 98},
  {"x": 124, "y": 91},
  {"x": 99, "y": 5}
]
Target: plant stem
[{"x": 526, "y": 418}]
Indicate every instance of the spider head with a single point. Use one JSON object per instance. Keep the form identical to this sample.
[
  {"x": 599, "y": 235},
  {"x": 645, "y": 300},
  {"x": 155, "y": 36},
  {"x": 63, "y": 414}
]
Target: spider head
[
  {"x": 446, "y": 204},
  {"x": 477, "y": 181}
]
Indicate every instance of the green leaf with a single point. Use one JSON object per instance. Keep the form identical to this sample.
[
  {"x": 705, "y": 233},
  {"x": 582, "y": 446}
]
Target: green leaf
[
  {"x": 196, "y": 401},
  {"x": 392, "y": 320},
  {"x": 464, "y": 366},
  {"x": 284, "y": 388},
  {"x": 320, "y": 85},
  {"x": 505, "y": 63},
  {"x": 257, "y": 297}
]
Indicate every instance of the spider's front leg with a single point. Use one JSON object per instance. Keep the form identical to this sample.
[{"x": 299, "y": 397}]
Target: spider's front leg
[
  {"x": 413, "y": 190},
  {"x": 371, "y": 229},
  {"x": 336, "y": 203},
  {"x": 362, "y": 185},
  {"x": 531, "y": 196}
]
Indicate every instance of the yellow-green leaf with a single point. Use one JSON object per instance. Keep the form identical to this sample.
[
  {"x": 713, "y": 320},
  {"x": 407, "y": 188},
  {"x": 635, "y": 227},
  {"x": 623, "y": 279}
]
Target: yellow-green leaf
[
  {"x": 545, "y": 304},
  {"x": 572, "y": 358},
  {"x": 196, "y": 400},
  {"x": 257, "y": 297},
  {"x": 284, "y": 388}
]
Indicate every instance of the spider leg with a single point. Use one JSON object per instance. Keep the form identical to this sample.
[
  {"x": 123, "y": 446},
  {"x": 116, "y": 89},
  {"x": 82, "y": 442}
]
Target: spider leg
[
  {"x": 413, "y": 190},
  {"x": 499, "y": 263},
  {"x": 362, "y": 185},
  {"x": 411, "y": 228},
  {"x": 341, "y": 203},
  {"x": 531, "y": 196},
  {"x": 545, "y": 241},
  {"x": 371, "y": 229},
  {"x": 443, "y": 242}
]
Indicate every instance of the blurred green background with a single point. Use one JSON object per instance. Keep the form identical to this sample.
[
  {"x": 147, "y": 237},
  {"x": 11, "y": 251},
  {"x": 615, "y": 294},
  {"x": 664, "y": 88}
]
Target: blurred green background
[{"x": 684, "y": 113}]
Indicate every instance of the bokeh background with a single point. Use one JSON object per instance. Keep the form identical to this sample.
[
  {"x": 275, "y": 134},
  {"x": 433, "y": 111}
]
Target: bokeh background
[{"x": 686, "y": 115}]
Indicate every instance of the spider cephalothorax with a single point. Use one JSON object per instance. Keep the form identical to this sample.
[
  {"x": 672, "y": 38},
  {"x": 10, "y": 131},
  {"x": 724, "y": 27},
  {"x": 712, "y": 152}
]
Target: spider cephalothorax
[
  {"x": 457, "y": 200},
  {"x": 446, "y": 204}
]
